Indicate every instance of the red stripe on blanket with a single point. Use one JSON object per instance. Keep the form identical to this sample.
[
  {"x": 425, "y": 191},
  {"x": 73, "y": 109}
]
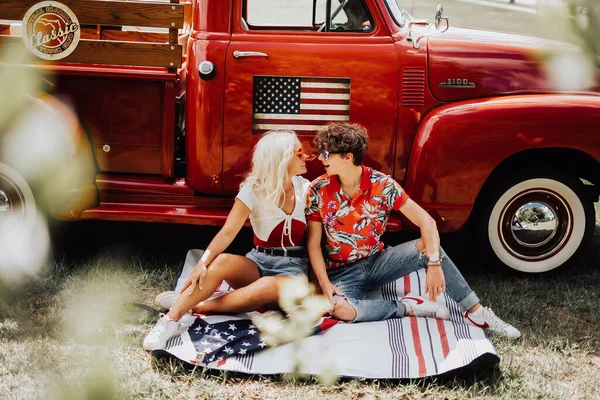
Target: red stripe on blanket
[
  {"x": 327, "y": 323},
  {"x": 443, "y": 337},
  {"x": 221, "y": 362},
  {"x": 406, "y": 284},
  {"x": 414, "y": 327}
]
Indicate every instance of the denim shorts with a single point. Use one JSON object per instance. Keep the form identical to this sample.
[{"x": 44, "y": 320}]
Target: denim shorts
[{"x": 269, "y": 265}]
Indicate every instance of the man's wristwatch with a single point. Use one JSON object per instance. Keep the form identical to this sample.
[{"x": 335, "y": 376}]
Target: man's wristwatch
[{"x": 433, "y": 259}]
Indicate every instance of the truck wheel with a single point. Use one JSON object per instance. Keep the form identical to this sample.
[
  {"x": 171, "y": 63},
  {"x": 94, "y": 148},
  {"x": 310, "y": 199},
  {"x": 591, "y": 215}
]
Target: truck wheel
[
  {"x": 16, "y": 198},
  {"x": 535, "y": 221}
]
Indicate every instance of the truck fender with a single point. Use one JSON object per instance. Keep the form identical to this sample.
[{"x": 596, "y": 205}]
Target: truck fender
[{"x": 459, "y": 145}]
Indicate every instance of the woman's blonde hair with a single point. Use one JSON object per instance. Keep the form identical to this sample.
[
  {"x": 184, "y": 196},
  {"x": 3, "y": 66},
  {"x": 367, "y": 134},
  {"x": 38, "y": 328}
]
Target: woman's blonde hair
[{"x": 270, "y": 161}]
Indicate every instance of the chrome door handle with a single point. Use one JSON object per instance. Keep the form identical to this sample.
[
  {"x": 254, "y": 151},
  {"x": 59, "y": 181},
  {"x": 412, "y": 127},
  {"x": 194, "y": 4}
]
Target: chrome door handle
[{"x": 241, "y": 54}]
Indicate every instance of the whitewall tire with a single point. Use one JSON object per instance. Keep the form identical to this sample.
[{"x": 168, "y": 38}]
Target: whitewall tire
[
  {"x": 536, "y": 222},
  {"x": 17, "y": 203}
]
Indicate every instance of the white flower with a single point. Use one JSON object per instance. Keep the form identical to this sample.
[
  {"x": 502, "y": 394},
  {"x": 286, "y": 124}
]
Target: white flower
[
  {"x": 292, "y": 291},
  {"x": 270, "y": 326},
  {"x": 302, "y": 308},
  {"x": 309, "y": 312}
]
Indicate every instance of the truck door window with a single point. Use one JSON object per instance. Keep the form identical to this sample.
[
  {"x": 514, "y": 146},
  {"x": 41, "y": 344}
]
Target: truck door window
[{"x": 346, "y": 15}]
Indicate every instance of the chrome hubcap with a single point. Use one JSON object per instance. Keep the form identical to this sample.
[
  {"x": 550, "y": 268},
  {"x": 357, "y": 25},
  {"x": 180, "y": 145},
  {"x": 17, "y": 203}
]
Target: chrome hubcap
[
  {"x": 536, "y": 224},
  {"x": 4, "y": 202},
  {"x": 11, "y": 199}
]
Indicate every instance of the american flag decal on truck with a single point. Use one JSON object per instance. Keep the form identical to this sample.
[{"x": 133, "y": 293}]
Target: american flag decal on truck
[{"x": 299, "y": 104}]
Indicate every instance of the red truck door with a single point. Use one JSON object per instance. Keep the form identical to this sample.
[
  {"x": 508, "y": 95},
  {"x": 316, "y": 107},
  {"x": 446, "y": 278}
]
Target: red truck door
[{"x": 284, "y": 72}]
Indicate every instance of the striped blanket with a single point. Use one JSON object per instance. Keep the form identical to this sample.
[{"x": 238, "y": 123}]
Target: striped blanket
[{"x": 397, "y": 348}]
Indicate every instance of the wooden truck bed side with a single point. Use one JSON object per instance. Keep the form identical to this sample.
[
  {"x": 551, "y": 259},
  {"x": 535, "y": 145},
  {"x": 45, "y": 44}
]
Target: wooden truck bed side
[
  {"x": 99, "y": 45},
  {"x": 123, "y": 81}
]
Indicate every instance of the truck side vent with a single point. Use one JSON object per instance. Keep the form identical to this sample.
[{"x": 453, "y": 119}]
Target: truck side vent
[{"x": 413, "y": 87}]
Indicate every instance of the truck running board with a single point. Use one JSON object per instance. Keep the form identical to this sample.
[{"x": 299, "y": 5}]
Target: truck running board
[
  {"x": 158, "y": 213},
  {"x": 177, "y": 215}
]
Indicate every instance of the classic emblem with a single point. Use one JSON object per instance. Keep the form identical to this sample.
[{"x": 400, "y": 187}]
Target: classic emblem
[
  {"x": 51, "y": 30},
  {"x": 457, "y": 84}
]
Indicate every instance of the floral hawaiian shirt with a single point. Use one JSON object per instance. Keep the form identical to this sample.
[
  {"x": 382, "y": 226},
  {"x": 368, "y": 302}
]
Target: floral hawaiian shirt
[{"x": 353, "y": 227}]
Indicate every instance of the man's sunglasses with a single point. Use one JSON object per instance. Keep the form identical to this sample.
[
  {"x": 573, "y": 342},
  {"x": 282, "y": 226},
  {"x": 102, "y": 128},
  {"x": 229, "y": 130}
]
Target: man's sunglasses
[{"x": 325, "y": 154}]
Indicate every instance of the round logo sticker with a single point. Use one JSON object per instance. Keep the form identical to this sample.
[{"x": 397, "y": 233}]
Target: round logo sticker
[{"x": 51, "y": 30}]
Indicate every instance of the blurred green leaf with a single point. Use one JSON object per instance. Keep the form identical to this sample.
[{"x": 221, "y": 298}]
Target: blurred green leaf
[{"x": 17, "y": 82}]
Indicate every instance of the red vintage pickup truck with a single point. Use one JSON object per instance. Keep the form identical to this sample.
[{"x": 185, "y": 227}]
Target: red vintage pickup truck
[{"x": 468, "y": 121}]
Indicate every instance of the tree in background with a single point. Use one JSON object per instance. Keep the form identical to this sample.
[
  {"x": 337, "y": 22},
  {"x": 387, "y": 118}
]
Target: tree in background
[{"x": 533, "y": 214}]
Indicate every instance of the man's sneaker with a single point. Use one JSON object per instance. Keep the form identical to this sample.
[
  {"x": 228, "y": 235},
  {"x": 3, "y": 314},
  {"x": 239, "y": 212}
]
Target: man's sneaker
[
  {"x": 487, "y": 320},
  {"x": 164, "y": 330},
  {"x": 166, "y": 300},
  {"x": 418, "y": 306}
]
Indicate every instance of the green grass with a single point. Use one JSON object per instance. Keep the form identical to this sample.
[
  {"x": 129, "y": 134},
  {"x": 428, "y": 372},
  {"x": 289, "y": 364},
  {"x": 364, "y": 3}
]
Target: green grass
[{"x": 71, "y": 332}]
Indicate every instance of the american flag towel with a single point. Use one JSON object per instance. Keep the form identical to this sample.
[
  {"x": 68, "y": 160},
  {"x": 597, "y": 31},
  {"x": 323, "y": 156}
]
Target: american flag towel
[
  {"x": 299, "y": 104},
  {"x": 398, "y": 348}
]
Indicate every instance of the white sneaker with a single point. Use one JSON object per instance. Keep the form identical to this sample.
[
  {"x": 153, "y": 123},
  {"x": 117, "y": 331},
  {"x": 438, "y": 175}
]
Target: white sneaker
[
  {"x": 166, "y": 300},
  {"x": 490, "y": 322},
  {"x": 421, "y": 307},
  {"x": 164, "y": 330}
]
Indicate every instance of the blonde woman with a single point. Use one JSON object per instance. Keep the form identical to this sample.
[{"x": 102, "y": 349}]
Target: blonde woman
[{"x": 273, "y": 196}]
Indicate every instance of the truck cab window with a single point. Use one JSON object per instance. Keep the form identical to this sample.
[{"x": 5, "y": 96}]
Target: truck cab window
[
  {"x": 346, "y": 15},
  {"x": 349, "y": 15}
]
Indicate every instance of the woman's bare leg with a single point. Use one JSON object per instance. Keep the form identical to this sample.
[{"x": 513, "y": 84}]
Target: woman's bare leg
[
  {"x": 238, "y": 271},
  {"x": 263, "y": 292}
]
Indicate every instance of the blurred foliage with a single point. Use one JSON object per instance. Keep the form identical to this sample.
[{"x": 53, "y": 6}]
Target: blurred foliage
[
  {"x": 585, "y": 22},
  {"x": 17, "y": 83}
]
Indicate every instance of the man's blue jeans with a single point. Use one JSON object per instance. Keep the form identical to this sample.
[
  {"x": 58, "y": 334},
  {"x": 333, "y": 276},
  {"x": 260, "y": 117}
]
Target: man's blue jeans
[{"x": 360, "y": 277}]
